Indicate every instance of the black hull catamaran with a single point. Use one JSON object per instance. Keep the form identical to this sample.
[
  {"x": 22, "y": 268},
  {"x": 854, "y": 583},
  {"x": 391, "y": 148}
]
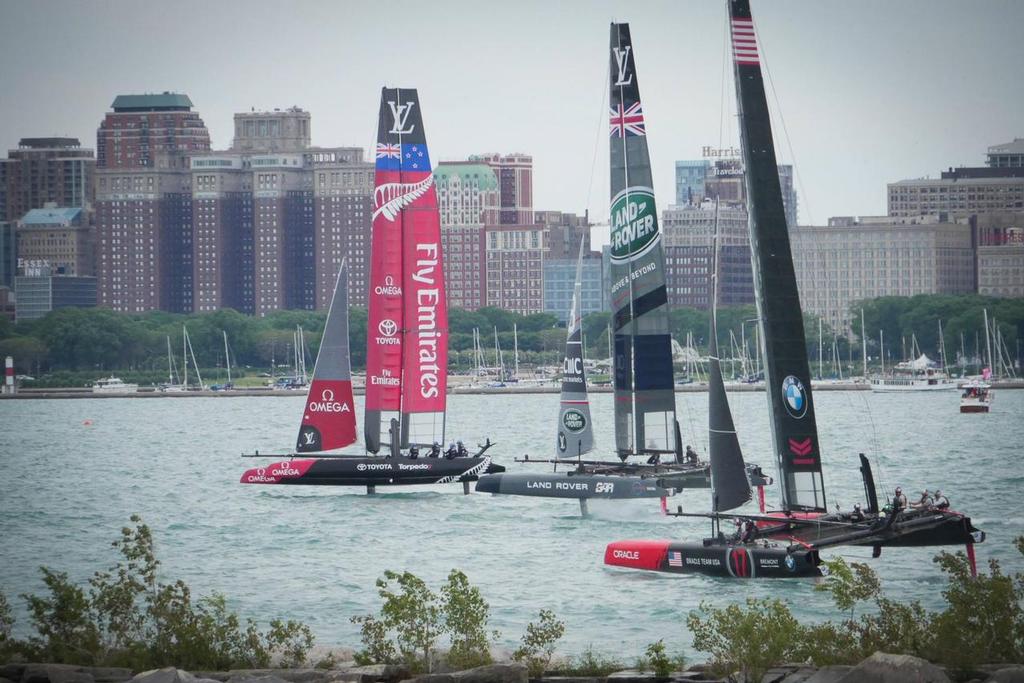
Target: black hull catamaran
[
  {"x": 785, "y": 543},
  {"x": 407, "y": 342},
  {"x": 646, "y": 429}
]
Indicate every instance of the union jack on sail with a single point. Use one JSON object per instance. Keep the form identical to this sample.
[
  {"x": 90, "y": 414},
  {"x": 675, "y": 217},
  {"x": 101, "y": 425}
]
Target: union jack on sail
[
  {"x": 627, "y": 122},
  {"x": 386, "y": 150}
]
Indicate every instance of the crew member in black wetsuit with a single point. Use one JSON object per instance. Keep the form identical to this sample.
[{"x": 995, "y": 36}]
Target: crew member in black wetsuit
[
  {"x": 691, "y": 456},
  {"x": 414, "y": 452},
  {"x": 749, "y": 532},
  {"x": 857, "y": 515},
  {"x": 452, "y": 452},
  {"x": 899, "y": 501},
  {"x": 435, "y": 450},
  {"x": 654, "y": 459},
  {"x": 461, "y": 450}
]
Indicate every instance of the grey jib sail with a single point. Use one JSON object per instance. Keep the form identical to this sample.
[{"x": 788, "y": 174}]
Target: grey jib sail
[
  {"x": 787, "y": 374},
  {"x": 730, "y": 487},
  {"x": 644, "y": 399},
  {"x": 575, "y": 434}
]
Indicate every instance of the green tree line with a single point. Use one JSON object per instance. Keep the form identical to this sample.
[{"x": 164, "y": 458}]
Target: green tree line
[{"x": 101, "y": 341}]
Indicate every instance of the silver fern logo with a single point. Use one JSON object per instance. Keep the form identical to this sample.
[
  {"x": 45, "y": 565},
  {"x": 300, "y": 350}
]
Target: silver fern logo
[{"x": 390, "y": 198}]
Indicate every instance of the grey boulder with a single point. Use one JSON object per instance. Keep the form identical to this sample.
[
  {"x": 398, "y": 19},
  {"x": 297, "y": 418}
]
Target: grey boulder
[{"x": 885, "y": 668}]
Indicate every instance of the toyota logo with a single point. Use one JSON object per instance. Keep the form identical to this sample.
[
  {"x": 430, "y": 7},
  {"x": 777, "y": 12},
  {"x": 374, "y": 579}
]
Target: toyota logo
[{"x": 387, "y": 327}]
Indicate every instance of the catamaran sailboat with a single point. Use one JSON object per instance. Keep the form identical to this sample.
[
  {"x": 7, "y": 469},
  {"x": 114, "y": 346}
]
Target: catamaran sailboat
[
  {"x": 645, "y": 408},
  {"x": 792, "y": 538},
  {"x": 407, "y": 343}
]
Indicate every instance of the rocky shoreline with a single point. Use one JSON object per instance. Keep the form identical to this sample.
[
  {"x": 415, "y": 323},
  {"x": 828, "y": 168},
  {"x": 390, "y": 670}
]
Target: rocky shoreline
[{"x": 879, "y": 668}]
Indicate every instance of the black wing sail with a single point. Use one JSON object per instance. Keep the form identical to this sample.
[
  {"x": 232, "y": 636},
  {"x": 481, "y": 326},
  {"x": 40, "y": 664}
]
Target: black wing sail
[
  {"x": 644, "y": 398},
  {"x": 787, "y": 374},
  {"x": 730, "y": 487}
]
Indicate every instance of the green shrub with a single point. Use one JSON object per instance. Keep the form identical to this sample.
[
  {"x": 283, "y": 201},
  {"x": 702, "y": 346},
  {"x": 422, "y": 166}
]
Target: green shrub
[
  {"x": 749, "y": 639},
  {"x": 590, "y": 664},
  {"x": 538, "y": 643},
  {"x": 465, "y": 617},
  {"x": 128, "y": 618},
  {"x": 660, "y": 663}
]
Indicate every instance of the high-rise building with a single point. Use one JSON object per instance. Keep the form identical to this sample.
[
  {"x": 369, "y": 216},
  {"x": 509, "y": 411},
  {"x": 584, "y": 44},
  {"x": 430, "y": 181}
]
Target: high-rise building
[
  {"x": 851, "y": 259},
  {"x": 38, "y": 291},
  {"x": 959, "y": 195},
  {"x": 564, "y": 231},
  {"x": 59, "y": 239},
  {"x": 515, "y": 267},
  {"x": 560, "y": 282},
  {"x": 1001, "y": 265},
  {"x": 144, "y": 213},
  {"x": 46, "y": 170},
  {"x": 1007, "y": 155},
  {"x": 274, "y": 217},
  {"x": 514, "y": 173},
  {"x": 8, "y": 253},
  {"x": 689, "y": 249},
  {"x": 467, "y": 192},
  {"x": 700, "y": 179}
]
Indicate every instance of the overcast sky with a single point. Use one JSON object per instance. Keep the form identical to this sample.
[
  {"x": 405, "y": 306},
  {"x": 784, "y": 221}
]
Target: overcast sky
[{"x": 870, "y": 92}]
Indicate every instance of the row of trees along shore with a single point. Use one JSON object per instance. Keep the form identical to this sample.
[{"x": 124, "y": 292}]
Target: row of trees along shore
[{"x": 75, "y": 345}]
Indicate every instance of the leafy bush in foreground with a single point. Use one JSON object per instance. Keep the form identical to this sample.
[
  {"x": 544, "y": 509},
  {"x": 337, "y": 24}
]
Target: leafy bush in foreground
[
  {"x": 982, "y": 622},
  {"x": 128, "y": 618}
]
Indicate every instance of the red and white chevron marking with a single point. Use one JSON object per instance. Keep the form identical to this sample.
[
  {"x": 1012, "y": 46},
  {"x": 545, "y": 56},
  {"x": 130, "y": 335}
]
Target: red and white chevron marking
[{"x": 744, "y": 42}]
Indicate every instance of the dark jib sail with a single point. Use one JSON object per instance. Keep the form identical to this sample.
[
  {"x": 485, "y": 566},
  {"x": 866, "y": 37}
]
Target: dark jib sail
[
  {"x": 329, "y": 422},
  {"x": 644, "y": 398},
  {"x": 730, "y": 487},
  {"x": 575, "y": 433},
  {"x": 787, "y": 374}
]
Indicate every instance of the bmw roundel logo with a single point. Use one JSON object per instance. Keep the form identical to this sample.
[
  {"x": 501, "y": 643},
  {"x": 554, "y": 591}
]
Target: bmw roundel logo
[
  {"x": 790, "y": 563},
  {"x": 794, "y": 396}
]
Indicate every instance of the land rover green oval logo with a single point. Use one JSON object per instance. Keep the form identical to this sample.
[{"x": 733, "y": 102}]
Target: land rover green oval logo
[
  {"x": 574, "y": 420},
  {"x": 634, "y": 223}
]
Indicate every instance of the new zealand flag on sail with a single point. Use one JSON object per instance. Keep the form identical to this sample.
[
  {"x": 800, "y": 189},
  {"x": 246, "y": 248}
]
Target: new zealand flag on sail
[{"x": 402, "y": 157}]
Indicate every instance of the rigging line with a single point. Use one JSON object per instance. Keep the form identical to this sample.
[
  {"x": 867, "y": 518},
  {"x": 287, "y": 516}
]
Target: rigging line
[
  {"x": 721, "y": 97},
  {"x": 602, "y": 113},
  {"x": 785, "y": 130}
]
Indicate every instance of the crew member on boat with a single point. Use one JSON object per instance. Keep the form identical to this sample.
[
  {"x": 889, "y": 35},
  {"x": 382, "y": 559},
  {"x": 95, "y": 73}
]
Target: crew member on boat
[
  {"x": 924, "y": 501},
  {"x": 899, "y": 501},
  {"x": 691, "y": 456},
  {"x": 940, "y": 501}
]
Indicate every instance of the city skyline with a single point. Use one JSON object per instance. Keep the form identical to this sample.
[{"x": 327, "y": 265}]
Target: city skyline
[{"x": 866, "y": 100}]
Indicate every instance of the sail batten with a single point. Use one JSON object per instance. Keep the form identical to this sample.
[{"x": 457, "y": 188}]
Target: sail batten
[
  {"x": 328, "y": 420},
  {"x": 787, "y": 371},
  {"x": 644, "y": 391}
]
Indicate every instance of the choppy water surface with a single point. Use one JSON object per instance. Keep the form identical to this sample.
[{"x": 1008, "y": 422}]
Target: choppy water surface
[{"x": 74, "y": 470}]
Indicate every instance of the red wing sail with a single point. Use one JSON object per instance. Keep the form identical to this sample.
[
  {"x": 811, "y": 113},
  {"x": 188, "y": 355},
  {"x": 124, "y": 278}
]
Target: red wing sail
[
  {"x": 385, "y": 330},
  {"x": 329, "y": 421},
  {"x": 425, "y": 350}
]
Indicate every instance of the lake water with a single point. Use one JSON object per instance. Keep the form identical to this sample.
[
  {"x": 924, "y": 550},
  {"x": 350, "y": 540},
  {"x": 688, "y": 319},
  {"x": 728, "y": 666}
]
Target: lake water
[{"x": 74, "y": 470}]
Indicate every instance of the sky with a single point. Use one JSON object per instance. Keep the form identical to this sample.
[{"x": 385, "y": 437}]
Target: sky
[{"x": 862, "y": 93}]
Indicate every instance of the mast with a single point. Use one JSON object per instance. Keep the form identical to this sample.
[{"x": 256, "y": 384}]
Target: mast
[
  {"x": 787, "y": 372},
  {"x": 184, "y": 357},
  {"x": 863, "y": 345},
  {"x": 329, "y": 419},
  {"x": 227, "y": 358},
  {"x": 881, "y": 350},
  {"x": 644, "y": 397},
  {"x": 515, "y": 343},
  {"x": 821, "y": 360},
  {"x": 575, "y": 434},
  {"x": 730, "y": 487},
  {"x": 988, "y": 342},
  {"x": 170, "y": 362}
]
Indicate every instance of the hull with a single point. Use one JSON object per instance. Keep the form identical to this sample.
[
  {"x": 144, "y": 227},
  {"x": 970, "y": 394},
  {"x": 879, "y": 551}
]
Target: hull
[
  {"x": 976, "y": 407},
  {"x": 370, "y": 471},
  {"x": 898, "y": 384},
  {"x": 572, "y": 485},
  {"x": 713, "y": 558}
]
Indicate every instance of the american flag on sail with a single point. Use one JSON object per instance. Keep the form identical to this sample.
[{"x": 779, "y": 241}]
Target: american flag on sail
[
  {"x": 627, "y": 122},
  {"x": 744, "y": 42},
  {"x": 675, "y": 558}
]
